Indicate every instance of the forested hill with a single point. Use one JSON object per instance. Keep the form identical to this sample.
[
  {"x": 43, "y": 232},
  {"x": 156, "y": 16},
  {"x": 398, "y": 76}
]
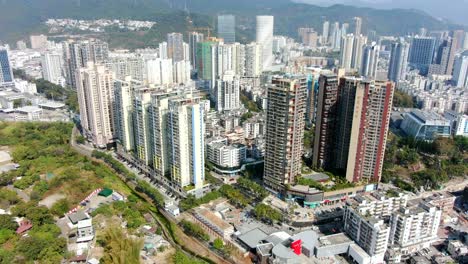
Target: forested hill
[{"x": 19, "y": 17}]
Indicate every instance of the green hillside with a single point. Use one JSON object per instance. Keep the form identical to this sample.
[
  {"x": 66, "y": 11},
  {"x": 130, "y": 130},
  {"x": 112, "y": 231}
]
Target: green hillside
[{"x": 21, "y": 17}]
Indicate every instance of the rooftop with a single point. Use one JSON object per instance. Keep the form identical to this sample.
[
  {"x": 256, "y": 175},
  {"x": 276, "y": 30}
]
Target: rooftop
[
  {"x": 77, "y": 216},
  {"x": 213, "y": 219},
  {"x": 335, "y": 239},
  {"x": 253, "y": 237},
  {"x": 427, "y": 116},
  {"x": 85, "y": 223},
  {"x": 28, "y": 109}
]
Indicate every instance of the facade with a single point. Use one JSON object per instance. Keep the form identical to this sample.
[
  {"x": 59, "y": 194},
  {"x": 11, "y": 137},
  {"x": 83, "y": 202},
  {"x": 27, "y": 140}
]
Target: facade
[
  {"x": 441, "y": 58},
  {"x": 461, "y": 126},
  {"x": 253, "y": 60},
  {"x": 77, "y": 54},
  {"x": 6, "y": 70},
  {"x": 351, "y": 51},
  {"x": 181, "y": 71},
  {"x": 95, "y": 88},
  {"x": 425, "y": 125},
  {"x": 370, "y": 233},
  {"x": 352, "y": 124},
  {"x": 226, "y": 156},
  {"x": 325, "y": 32},
  {"x": 370, "y": 60},
  {"x": 123, "y": 90},
  {"x": 456, "y": 46},
  {"x": 141, "y": 129},
  {"x": 52, "y": 65},
  {"x": 421, "y": 53},
  {"x": 162, "y": 50},
  {"x": 175, "y": 46},
  {"x": 284, "y": 131},
  {"x": 227, "y": 92},
  {"x": 398, "y": 61},
  {"x": 206, "y": 65},
  {"x": 364, "y": 222},
  {"x": 412, "y": 229},
  {"x": 357, "y": 26},
  {"x": 186, "y": 136},
  {"x": 125, "y": 65},
  {"x": 227, "y": 28},
  {"x": 194, "y": 39},
  {"x": 159, "y": 139},
  {"x": 264, "y": 36},
  {"x": 325, "y": 120},
  {"x": 460, "y": 70},
  {"x": 159, "y": 71},
  {"x": 38, "y": 42}
]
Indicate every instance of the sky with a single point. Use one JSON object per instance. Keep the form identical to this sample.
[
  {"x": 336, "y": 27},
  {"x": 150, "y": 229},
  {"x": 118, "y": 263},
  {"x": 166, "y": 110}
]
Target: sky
[{"x": 453, "y": 10}]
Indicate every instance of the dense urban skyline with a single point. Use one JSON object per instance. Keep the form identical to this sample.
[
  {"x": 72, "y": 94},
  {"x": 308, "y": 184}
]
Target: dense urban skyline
[{"x": 333, "y": 142}]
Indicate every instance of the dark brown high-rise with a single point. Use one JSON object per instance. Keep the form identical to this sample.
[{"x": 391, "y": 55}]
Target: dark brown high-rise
[{"x": 284, "y": 131}]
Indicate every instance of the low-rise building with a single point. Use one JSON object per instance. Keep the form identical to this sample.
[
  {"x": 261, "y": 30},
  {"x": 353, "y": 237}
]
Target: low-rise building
[
  {"x": 456, "y": 248},
  {"x": 425, "y": 125},
  {"x": 412, "y": 229},
  {"x": 213, "y": 222},
  {"x": 226, "y": 156},
  {"x": 85, "y": 230}
]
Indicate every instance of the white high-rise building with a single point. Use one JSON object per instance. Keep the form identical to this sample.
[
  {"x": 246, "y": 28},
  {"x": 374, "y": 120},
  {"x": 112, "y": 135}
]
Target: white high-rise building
[
  {"x": 347, "y": 51},
  {"x": 186, "y": 49},
  {"x": 279, "y": 42},
  {"x": 52, "y": 67},
  {"x": 351, "y": 51},
  {"x": 398, "y": 61},
  {"x": 358, "y": 47},
  {"x": 465, "y": 41},
  {"x": 325, "y": 32},
  {"x": 460, "y": 70},
  {"x": 181, "y": 72},
  {"x": 370, "y": 59},
  {"x": 38, "y": 42},
  {"x": 163, "y": 50},
  {"x": 335, "y": 36},
  {"x": 124, "y": 65},
  {"x": 264, "y": 36},
  {"x": 253, "y": 60},
  {"x": 194, "y": 39},
  {"x": 357, "y": 26},
  {"x": 186, "y": 129},
  {"x": 123, "y": 90},
  {"x": 159, "y": 71},
  {"x": 227, "y": 92},
  {"x": 141, "y": 123},
  {"x": 95, "y": 88}
]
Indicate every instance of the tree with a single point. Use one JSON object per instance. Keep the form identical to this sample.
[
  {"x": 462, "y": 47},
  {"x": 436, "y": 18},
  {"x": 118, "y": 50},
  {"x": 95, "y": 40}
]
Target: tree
[
  {"x": 6, "y": 178},
  {"x": 39, "y": 215},
  {"x": 80, "y": 139},
  {"x": 119, "y": 248},
  {"x": 60, "y": 207},
  {"x": 7, "y": 222},
  {"x": 194, "y": 230},
  {"x": 401, "y": 99},
  {"x": 267, "y": 213},
  {"x": 218, "y": 244}
]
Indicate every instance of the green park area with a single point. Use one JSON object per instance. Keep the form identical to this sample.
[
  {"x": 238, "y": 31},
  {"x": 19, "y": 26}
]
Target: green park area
[{"x": 47, "y": 166}]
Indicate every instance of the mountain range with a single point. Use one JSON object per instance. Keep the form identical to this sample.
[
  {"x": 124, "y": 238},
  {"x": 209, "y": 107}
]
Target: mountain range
[{"x": 21, "y": 17}]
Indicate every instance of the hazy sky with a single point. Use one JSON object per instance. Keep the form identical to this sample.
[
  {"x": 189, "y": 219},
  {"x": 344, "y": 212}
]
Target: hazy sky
[{"x": 453, "y": 10}]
